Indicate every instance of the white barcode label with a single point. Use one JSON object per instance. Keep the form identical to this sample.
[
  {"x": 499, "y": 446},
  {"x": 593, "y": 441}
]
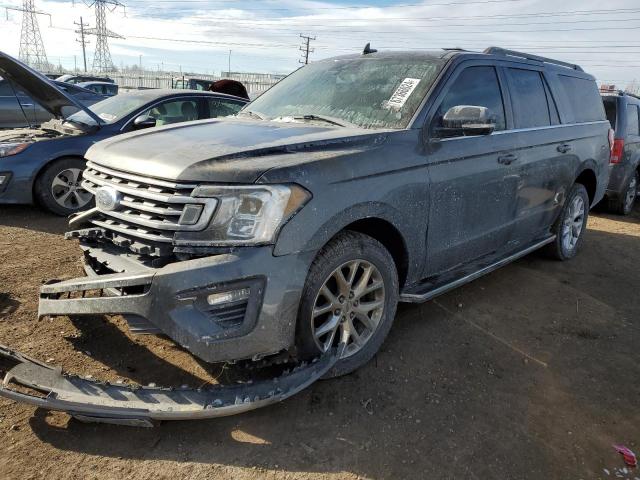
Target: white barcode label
[{"x": 403, "y": 92}]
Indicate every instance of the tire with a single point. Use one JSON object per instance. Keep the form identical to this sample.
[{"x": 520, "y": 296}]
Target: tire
[
  {"x": 624, "y": 204},
  {"x": 354, "y": 254},
  {"x": 57, "y": 188},
  {"x": 570, "y": 223}
]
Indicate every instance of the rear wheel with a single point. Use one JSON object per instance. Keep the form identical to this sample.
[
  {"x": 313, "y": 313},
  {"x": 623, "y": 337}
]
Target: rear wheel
[
  {"x": 624, "y": 204},
  {"x": 571, "y": 224},
  {"x": 59, "y": 190},
  {"x": 350, "y": 296}
]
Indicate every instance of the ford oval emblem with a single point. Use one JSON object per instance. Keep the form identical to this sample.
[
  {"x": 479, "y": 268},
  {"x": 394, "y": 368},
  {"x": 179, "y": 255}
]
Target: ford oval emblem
[{"x": 107, "y": 198}]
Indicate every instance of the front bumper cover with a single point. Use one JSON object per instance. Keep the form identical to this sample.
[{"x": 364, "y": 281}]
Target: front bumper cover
[{"x": 90, "y": 400}]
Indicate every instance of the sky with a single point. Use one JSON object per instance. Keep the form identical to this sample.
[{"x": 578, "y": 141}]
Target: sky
[{"x": 264, "y": 35}]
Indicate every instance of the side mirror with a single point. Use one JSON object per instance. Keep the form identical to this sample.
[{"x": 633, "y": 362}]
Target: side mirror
[
  {"x": 467, "y": 120},
  {"x": 144, "y": 121}
]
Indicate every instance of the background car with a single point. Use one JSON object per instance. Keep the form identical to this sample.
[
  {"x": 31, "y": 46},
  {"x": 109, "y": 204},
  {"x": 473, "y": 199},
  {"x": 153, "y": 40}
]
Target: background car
[
  {"x": 45, "y": 165},
  {"x": 73, "y": 79},
  {"x": 18, "y": 109},
  {"x": 107, "y": 89},
  {"x": 623, "y": 112}
]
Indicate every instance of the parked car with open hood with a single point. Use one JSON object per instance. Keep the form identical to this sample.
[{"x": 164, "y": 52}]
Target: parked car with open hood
[
  {"x": 18, "y": 109},
  {"x": 623, "y": 112},
  {"x": 45, "y": 164}
]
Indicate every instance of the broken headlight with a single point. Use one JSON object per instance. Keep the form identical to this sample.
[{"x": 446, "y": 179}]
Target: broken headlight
[
  {"x": 8, "y": 149},
  {"x": 249, "y": 215}
]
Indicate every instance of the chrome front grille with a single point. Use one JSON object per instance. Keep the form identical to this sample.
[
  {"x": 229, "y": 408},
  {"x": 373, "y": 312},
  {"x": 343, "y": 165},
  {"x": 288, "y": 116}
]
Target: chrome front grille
[{"x": 148, "y": 211}]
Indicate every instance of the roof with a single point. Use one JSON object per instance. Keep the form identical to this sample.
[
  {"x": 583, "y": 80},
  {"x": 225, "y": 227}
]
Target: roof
[
  {"x": 157, "y": 93},
  {"x": 96, "y": 82}
]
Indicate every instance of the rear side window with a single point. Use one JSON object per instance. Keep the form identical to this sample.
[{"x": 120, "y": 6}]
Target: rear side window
[
  {"x": 610, "y": 111},
  {"x": 222, "y": 108},
  {"x": 583, "y": 98},
  {"x": 632, "y": 120},
  {"x": 476, "y": 86},
  {"x": 528, "y": 97}
]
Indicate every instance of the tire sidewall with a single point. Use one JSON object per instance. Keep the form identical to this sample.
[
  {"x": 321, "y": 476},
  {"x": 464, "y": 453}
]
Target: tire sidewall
[
  {"x": 42, "y": 187},
  {"x": 358, "y": 246}
]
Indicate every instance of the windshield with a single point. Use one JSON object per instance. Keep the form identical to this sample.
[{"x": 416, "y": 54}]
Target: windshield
[
  {"x": 370, "y": 92},
  {"x": 112, "y": 109}
]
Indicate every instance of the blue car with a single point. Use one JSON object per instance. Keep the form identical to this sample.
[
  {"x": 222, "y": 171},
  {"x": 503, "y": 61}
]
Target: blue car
[{"x": 44, "y": 164}]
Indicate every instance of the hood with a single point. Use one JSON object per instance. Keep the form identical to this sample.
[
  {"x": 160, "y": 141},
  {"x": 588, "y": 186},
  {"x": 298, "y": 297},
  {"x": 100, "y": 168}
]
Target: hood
[
  {"x": 223, "y": 150},
  {"x": 40, "y": 88}
]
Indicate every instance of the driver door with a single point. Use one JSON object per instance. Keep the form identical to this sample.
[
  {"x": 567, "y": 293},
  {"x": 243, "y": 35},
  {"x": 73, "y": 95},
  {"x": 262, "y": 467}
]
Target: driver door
[{"x": 473, "y": 179}]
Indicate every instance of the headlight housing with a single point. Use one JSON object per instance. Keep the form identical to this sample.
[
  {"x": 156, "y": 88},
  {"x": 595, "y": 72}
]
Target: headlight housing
[
  {"x": 251, "y": 214},
  {"x": 8, "y": 149}
]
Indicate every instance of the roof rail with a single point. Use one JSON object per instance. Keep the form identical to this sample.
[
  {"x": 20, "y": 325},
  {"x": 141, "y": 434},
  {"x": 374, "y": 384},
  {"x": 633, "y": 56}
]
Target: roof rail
[{"x": 527, "y": 56}]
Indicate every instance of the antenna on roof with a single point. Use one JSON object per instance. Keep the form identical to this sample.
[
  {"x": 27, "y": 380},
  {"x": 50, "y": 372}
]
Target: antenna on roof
[{"x": 367, "y": 49}]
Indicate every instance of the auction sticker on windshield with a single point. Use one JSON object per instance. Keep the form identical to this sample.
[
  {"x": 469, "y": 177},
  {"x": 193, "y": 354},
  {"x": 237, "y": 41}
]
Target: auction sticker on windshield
[{"x": 403, "y": 92}]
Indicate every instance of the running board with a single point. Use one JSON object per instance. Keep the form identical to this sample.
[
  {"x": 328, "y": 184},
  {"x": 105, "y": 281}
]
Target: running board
[{"x": 425, "y": 292}]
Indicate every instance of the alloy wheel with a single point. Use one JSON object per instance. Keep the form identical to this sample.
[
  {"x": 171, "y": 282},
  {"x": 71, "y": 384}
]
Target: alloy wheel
[
  {"x": 573, "y": 224},
  {"x": 630, "y": 196},
  {"x": 348, "y": 307},
  {"x": 67, "y": 191}
]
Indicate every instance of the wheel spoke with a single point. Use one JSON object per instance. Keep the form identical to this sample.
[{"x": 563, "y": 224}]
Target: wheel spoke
[
  {"x": 58, "y": 182},
  {"x": 62, "y": 199},
  {"x": 75, "y": 174},
  {"x": 367, "y": 321},
  {"x": 317, "y": 311},
  {"x": 343, "y": 284},
  {"x": 363, "y": 281},
  {"x": 366, "y": 307},
  {"x": 357, "y": 338},
  {"x": 328, "y": 294},
  {"x": 370, "y": 288},
  {"x": 331, "y": 324}
]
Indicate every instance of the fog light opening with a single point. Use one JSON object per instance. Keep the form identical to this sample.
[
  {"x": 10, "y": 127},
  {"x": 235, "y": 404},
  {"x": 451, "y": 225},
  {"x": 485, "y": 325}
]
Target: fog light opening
[{"x": 231, "y": 296}]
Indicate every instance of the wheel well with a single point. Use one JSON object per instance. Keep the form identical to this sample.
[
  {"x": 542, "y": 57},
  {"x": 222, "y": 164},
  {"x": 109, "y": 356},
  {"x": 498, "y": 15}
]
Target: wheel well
[
  {"x": 390, "y": 237},
  {"x": 588, "y": 179}
]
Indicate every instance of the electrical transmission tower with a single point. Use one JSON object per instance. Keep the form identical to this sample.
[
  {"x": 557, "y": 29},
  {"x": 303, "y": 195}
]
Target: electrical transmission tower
[
  {"x": 31, "y": 47},
  {"x": 102, "y": 57},
  {"x": 305, "y": 48}
]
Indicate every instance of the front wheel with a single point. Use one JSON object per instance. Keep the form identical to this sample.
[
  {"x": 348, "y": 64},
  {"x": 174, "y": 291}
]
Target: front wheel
[
  {"x": 59, "y": 190},
  {"x": 350, "y": 296},
  {"x": 571, "y": 224}
]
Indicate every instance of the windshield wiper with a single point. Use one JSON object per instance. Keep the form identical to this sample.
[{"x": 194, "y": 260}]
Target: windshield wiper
[
  {"x": 322, "y": 118},
  {"x": 251, "y": 113}
]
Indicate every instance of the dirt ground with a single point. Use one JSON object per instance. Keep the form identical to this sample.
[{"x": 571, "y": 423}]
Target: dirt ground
[{"x": 530, "y": 372}]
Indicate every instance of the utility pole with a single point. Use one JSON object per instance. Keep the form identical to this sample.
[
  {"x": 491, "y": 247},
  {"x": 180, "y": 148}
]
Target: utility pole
[
  {"x": 305, "y": 48},
  {"x": 31, "y": 46},
  {"x": 83, "y": 41},
  {"x": 102, "y": 57}
]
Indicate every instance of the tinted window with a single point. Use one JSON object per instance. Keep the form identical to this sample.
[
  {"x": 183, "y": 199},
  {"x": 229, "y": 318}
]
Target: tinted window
[
  {"x": 610, "y": 111},
  {"x": 632, "y": 120},
  {"x": 7, "y": 90},
  {"x": 529, "y": 100},
  {"x": 583, "y": 99},
  {"x": 476, "y": 86},
  {"x": 222, "y": 108}
]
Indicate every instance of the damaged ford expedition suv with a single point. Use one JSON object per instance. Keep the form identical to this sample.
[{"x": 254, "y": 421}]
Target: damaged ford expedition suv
[{"x": 355, "y": 183}]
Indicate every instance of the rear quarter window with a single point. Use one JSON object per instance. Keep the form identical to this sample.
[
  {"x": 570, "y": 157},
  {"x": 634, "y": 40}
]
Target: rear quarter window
[
  {"x": 632, "y": 120},
  {"x": 610, "y": 110},
  {"x": 582, "y": 99}
]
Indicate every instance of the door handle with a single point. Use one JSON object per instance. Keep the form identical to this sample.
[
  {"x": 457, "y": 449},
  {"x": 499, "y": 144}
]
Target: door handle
[
  {"x": 564, "y": 148},
  {"x": 507, "y": 159},
  {"x": 27, "y": 104}
]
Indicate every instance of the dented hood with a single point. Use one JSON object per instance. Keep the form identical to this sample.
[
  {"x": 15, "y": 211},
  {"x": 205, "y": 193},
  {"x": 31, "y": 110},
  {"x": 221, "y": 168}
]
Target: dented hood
[
  {"x": 223, "y": 150},
  {"x": 41, "y": 89}
]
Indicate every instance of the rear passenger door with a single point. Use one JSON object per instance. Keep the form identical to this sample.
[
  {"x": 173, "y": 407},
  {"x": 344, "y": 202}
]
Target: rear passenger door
[
  {"x": 540, "y": 157},
  {"x": 472, "y": 185}
]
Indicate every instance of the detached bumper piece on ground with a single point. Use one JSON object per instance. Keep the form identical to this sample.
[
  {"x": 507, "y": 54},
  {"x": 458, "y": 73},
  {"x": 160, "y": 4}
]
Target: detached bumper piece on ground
[{"x": 90, "y": 400}]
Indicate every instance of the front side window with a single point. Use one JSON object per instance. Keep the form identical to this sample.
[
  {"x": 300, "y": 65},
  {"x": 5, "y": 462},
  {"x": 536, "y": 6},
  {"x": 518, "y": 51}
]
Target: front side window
[
  {"x": 174, "y": 111},
  {"x": 370, "y": 91},
  {"x": 219, "y": 107},
  {"x": 632, "y": 120},
  {"x": 528, "y": 98},
  {"x": 476, "y": 86}
]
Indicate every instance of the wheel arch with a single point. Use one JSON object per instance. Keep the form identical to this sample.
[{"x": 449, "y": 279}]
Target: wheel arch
[{"x": 587, "y": 177}]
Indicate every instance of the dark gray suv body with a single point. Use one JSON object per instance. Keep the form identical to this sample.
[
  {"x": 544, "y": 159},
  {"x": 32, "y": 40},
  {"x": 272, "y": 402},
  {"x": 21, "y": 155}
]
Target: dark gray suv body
[
  {"x": 623, "y": 112},
  {"x": 355, "y": 183}
]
